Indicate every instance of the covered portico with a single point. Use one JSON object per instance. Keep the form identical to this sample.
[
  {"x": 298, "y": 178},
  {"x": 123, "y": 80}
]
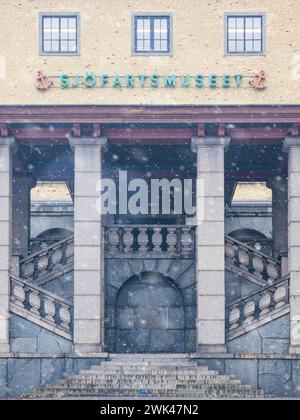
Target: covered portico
[{"x": 232, "y": 144}]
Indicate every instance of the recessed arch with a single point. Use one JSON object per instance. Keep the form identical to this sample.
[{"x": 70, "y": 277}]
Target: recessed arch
[{"x": 150, "y": 315}]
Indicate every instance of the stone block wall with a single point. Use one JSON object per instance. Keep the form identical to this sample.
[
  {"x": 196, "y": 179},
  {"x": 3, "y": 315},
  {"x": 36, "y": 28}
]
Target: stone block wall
[{"x": 180, "y": 272}]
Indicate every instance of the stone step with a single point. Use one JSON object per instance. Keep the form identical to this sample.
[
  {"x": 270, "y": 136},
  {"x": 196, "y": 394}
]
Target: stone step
[
  {"x": 191, "y": 393},
  {"x": 149, "y": 356},
  {"x": 160, "y": 380},
  {"x": 142, "y": 375},
  {"x": 148, "y": 363}
]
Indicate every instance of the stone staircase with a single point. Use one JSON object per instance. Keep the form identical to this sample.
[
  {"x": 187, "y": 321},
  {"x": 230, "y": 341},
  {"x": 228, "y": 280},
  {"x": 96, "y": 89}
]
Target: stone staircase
[
  {"x": 149, "y": 376},
  {"x": 30, "y": 300}
]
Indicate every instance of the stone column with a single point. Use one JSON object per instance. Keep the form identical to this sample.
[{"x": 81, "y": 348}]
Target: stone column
[
  {"x": 88, "y": 288},
  {"x": 6, "y": 144},
  {"x": 279, "y": 186},
  {"x": 22, "y": 185},
  {"x": 292, "y": 145},
  {"x": 210, "y": 265}
]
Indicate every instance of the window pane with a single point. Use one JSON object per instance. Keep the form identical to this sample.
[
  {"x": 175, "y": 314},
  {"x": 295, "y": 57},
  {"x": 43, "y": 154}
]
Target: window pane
[
  {"x": 47, "y": 34},
  {"x": 239, "y": 46},
  {"x": 64, "y": 45},
  {"x": 231, "y": 23},
  {"x": 55, "y": 46},
  {"x": 249, "y": 23},
  {"x": 157, "y": 45},
  {"x": 249, "y": 46},
  {"x": 72, "y": 46},
  {"x": 257, "y": 23},
  {"x": 231, "y": 46},
  {"x": 147, "y": 46},
  {"x": 164, "y": 46},
  {"x": 72, "y": 23},
  {"x": 55, "y": 34},
  {"x": 72, "y": 35},
  {"x": 47, "y": 46},
  {"x": 257, "y": 46},
  {"x": 140, "y": 45},
  {"x": 47, "y": 23},
  {"x": 240, "y": 23},
  {"x": 64, "y": 23},
  {"x": 55, "y": 23},
  {"x": 140, "y": 25}
]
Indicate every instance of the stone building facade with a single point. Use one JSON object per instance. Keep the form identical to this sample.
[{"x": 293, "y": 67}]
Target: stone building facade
[{"x": 92, "y": 90}]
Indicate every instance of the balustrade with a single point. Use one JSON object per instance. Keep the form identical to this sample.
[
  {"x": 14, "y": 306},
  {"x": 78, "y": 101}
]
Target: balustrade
[
  {"x": 41, "y": 305},
  {"x": 38, "y": 265},
  {"x": 257, "y": 306},
  {"x": 251, "y": 261},
  {"x": 136, "y": 240}
]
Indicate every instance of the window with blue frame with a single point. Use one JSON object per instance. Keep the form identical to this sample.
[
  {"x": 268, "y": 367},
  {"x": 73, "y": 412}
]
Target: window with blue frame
[
  {"x": 59, "y": 34},
  {"x": 152, "y": 34},
  {"x": 245, "y": 34}
]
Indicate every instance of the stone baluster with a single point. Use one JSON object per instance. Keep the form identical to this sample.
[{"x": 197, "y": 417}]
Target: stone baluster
[
  {"x": 18, "y": 294},
  {"x": 186, "y": 240},
  {"x": 28, "y": 269},
  {"x": 113, "y": 240},
  {"x": 171, "y": 239},
  {"x": 258, "y": 265},
  {"x": 70, "y": 250},
  {"x": 49, "y": 309},
  {"x": 244, "y": 259},
  {"x": 157, "y": 239},
  {"x": 230, "y": 250},
  {"x": 249, "y": 311},
  {"x": 280, "y": 296},
  {"x": 128, "y": 239},
  {"x": 65, "y": 317},
  {"x": 34, "y": 301},
  {"x": 265, "y": 304},
  {"x": 234, "y": 318},
  {"x": 272, "y": 271},
  {"x": 57, "y": 256},
  {"x": 143, "y": 239},
  {"x": 42, "y": 263}
]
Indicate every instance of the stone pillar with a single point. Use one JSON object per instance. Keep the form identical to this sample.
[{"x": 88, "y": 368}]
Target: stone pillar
[
  {"x": 279, "y": 186},
  {"x": 5, "y": 238},
  {"x": 210, "y": 265},
  {"x": 22, "y": 185},
  {"x": 292, "y": 145},
  {"x": 88, "y": 287}
]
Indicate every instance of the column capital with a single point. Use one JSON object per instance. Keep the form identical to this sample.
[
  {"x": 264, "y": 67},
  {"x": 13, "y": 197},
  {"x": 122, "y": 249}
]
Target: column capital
[
  {"x": 87, "y": 142},
  {"x": 205, "y": 142},
  {"x": 290, "y": 143},
  {"x": 7, "y": 141}
]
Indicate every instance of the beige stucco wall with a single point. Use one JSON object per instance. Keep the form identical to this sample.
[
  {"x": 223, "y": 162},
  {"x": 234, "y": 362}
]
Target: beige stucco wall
[{"x": 106, "y": 48}]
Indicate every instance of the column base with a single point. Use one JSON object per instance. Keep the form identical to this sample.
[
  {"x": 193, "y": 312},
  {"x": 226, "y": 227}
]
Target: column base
[
  {"x": 79, "y": 349},
  {"x": 211, "y": 349},
  {"x": 294, "y": 350}
]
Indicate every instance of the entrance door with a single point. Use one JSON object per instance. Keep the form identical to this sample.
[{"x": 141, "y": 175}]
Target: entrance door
[{"x": 150, "y": 316}]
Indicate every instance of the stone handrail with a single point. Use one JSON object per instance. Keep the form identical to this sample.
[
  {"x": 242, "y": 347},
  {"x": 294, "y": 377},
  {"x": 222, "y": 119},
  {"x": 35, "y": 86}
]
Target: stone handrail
[
  {"x": 255, "y": 310},
  {"x": 37, "y": 266},
  {"x": 42, "y": 307},
  {"x": 251, "y": 263},
  {"x": 150, "y": 240}
]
